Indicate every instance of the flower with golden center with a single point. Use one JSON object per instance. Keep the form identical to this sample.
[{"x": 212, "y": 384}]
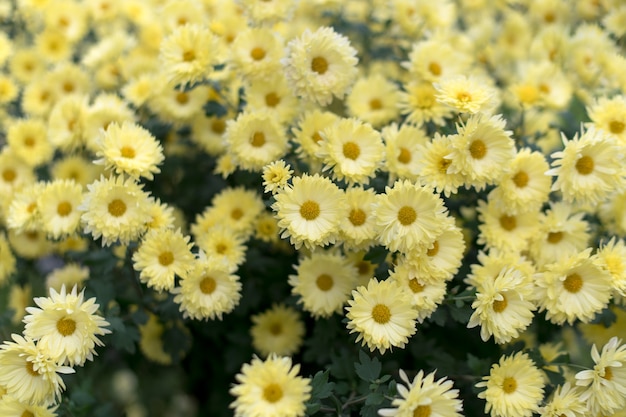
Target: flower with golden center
[
  {"x": 256, "y": 53},
  {"x": 403, "y": 148},
  {"x": 382, "y": 315},
  {"x": 609, "y": 115},
  {"x": 565, "y": 401},
  {"x": 611, "y": 256},
  {"x": 503, "y": 230},
  {"x": 276, "y": 175},
  {"x": 235, "y": 208},
  {"x": 373, "y": 99},
  {"x": 323, "y": 280},
  {"x": 278, "y": 330},
  {"x": 514, "y": 387},
  {"x": 424, "y": 397},
  {"x": 58, "y": 208},
  {"x": 29, "y": 374},
  {"x": 7, "y": 260},
  {"x": 408, "y": 215},
  {"x": 151, "y": 340},
  {"x": 574, "y": 287},
  {"x": 209, "y": 290},
  {"x": 358, "y": 226},
  {"x": 68, "y": 275},
  {"x": 588, "y": 169},
  {"x": 431, "y": 166},
  {"x": 320, "y": 65},
  {"x": 224, "y": 244},
  {"x": 23, "y": 214},
  {"x": 270, "y": 388},
  {"x": 605, "y": 384},
  {"x": 28, "y": 138},
  {"x": 66, "y": 326},
  {"x": 129, "y": 148},
  {"x": 10, "y": 406},
  {"x": 419, "y": 105},
  {"x": 466, "y": 94},
  {"x": 162, "y": 255},
  {"x": 309, "y": 211},
  {"x": 116, "y": 209},
  {"x": 493, "y": 262},
  {"x": 307, "y": 135}
]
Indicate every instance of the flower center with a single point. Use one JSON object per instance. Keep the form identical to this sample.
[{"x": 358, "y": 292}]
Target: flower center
[
  {"x": 64, "y": 208},
  {"x": 272, "y": 393},
  {"x": 207, "y": 285},
  {"x": 508, "y": 223},
  {"x": 573, "y": 283},
  {"x": 616, "y": 127},
  {"x": 319, "y": 65},
  {"x": 363, "y": 267},
  {"x": 434, "y": 250},
  {"x": 31, "y": 207},
  {"x": 415, "y": 286},
  {"x": 608, "y": 374},
  {"x": 375, "y": 104},
  {"x": 405, "y": 156},
  {"x": 29, "y": 368},
  {"x": 276, "y": 329},
  {"x": 29, "y": 142},
  {"x": 509, "y": 385},
  {"x": 584, "y": 165},
  {"x": 66, "y": 326},
  {"x": 166, "y": 258},
  {"x": 257, "y": 53},
  {"x": 218, "y": 126},
  {"x": 316, "y": 137},
  {"x": 406, "y": 215},
  {"x": 310, "y": 210},
  {"x": 463, "y": 96},
  {"x": 444, "y": 164},
  {"x": 555, "y": 237},
  {"x": 477, "y": 149},
  {"x": 189, "y": 56},
  {"x": 520, "y": 179},
  {"x": 257, "y": 140},
  {"x": 272, "y": 99},
  {"x": 236, "y": 214},
  {"x": 357, "y": 217},
  {"x": 9, "y": 175},
  {"x": 381, "y": 314},
  {"x": 324, "y": 282},
  {"x": 221, "y": 248},
  {"x": 182, "y": 98},
  {"x": 117, "y": 208},
  {"x": 127, "y": 152},
  {"x": 422, "y": 411},
  {"x": 499, "y": 305},
  {"x": 434, "y": 68},
  {"x": 351, "y": 150},
  {"x": 27, "y": 413}
]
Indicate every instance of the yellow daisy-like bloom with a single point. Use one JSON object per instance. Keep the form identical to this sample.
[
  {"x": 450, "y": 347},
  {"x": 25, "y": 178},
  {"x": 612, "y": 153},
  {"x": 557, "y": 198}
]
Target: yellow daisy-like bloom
[
  {"x": 256, "y": 53},
  {"x": 28, "y": 138},
  {"x": 320, "y": 65},
  {"x": 420, "y": 105},
  {"x": 11, "y": 407},
  {"x": 588, "y": 169},
  {"x": 277, "y": 330},
  {"x": 408, "y": 216},
  {"x": 267, "y": 13},
  {"x": 403, "y": 148},
  {"x": 373, "y": 99},
  {"x": 612, "y": 257},
  {"x": 427, "y": 294},
  {"x": 432, "y": 163},
  {"x": 482, "y": 150},
  {"x": 574, "y": 287},
  {"x": 609, "y": 115},
  {"x": 276, "y": 175},
  {"x": 492, "y": 263},
  {"x": 605, "y": 384},
  {"x": 7, "y": 260},
  {"x": 353, "y": 150},
  {"x": 503, "y": 307},
  {"x": 466, "y": 94},
  {"x": 309, "y": 211},
  {"x": 565, "y": 401},
  {"x": 524, "y": 187},
  {"x": 176, "y": 106},
  {"x": 270, "y": 388},
  {"x": 358, "y": 226},
  {"x": 162, "y": 215},
  {"x": 66, "y": 326},
  {"x": 23, "y": 213},
  {"x": 20, "y": 297},
  {"x": 207, "y": 131},
  {"x": 382, "y": 314},
  {"x": 189, "y": 54},
  {"x": 209, "y": 290},
  {"x": 323, "y": 282},
  {"x": 70, "y": 275},
  {"x": 115, "y": 209},
  {"x": 273, "y": 95},
  {"x": 104, "y": 112},
  {"x": 162, "y": 255},
  {"x": 514, "y": 387},
  {"x": 29, "y": 374},
  {"x": 129, "y": 148},
  {"x": 14, "y": 173},
  {"x": 58, "y": 208},
  {"x": 255, "y": 139},
  {"x": 238, "y": 209},
  {"x": 424, "y": 397},
  {"x": 432, "y": 59},
  {"x": 505, "y": 231},
  {"x": 224, "y": 244},
  {"x": 612, "y": 213},
  {"x": 30, "y": 245},
  {"x": 151, "y": 340},
  {"x": 76, "y": 168},
  {"x": 8, "y": 89},
  {"x": 266, "y": 228},
  {"x": 66, "y": 121},
  {"x": 307, "y": 135}
]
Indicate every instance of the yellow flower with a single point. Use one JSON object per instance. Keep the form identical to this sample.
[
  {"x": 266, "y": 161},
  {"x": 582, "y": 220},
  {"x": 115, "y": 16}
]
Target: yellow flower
[
  {"x": 69, "y": 275},
  {"x": 420, "y": 105},
  {"x": 323, "y": 281},
  {"x": 129, "y": 149},
  {"x": 30, "y": 245},
  {"x": 320, "y": 65},
  {"x": 58, "y": 208},
  {"x": 514, "y": 387},
  {"x": 256, "y": 53},
  {"x": 373, "y": 99},
  {"x": 23, "y": 213},
  {"x": 403, "y": 148},
  {"x": 273, "y": 96},
  {"x": 382, "y": 314},
  {"x": 66, "y": 122},
  {"x": 358, "y": 225},
  {"x": 151, "y": 341},
  {"x": 431, "y": 166},
  {"x": 11, "y": 407},
  {"x": 307, "y": 135},
  {"x": 270, "y": 388},
  {"x": 491, "y": 265},
  {"x": 309, "y": 212},
  {"x": 263, "y": 13},
  {"x": 66, "y": 326},
  {"x": 612, "y": 257},
  {"x": 424, "y": 397},
  {"x": 565, "y": 400},
  {"x": 466, "y": 94},
  {"x": 276, "y": 175},
  {"x": 277, "y": 330},
  {"x": 28, "y": 138},
  {"x": 7, "y": 260},
  {"x": 433, "y": 58},
  {"x": 162, "y": 255}
]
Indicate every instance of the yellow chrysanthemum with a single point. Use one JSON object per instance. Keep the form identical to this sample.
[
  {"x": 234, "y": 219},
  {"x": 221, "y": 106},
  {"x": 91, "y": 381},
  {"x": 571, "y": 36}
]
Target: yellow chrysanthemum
[
  {"x": 237, "y": 209},
  {"x": 307, "y": 135},
  {"x": 270, "y": 388},
  {"x": 276, "y": 175},
  {"x": 373, "y": 99},
  {"x": 432, "y": 163},
  {"x": 58, "y": 208},
  {"x": 358, "y": 225},
  {"x": 466, "y": 94},
  {"x": 69, "y": 275},
  {"x": 76, "y": 168},
  {"x": 609, "y": 115},
  {"x": 256, "y": 53},
  {"x": 7, "y": 260},
  {"x": 29, "y": 140},
  {"x": 223, "y": 244},
  {"x": 420, "y": 105},
  {"x": 612, "y": 257},
  {"x": 403, "y": 147},
  {"x": 151, "y": 340},
  {"x": 503, "y": 230},
  {"x": 565, "y": 401},
  {"x": 274, "y": 96},
  {"x": 277, "y": 330},
  {"x": 12, "y": 407},
  {"x": 23, "y": 214}
]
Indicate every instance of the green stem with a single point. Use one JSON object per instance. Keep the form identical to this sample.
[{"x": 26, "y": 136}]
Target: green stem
[
  {"x": 571, "y": 365},
  {"x": 353, "y": 401}
]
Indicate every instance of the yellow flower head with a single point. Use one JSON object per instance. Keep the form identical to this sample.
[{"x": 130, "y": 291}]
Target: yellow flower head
[{"x": 277, "y": 330}]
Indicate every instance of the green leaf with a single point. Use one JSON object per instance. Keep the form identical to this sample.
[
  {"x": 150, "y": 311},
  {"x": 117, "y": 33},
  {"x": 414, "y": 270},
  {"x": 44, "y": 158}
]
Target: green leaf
[
  {"x": 367, "y": 369},
  {"x": 555, "y": 377},
  {"x": 375, "y": 398},
  {"x": 460, "y": 314},
  {"x": 320, "y": 387},
  {"x": 369, "y": 411}
]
